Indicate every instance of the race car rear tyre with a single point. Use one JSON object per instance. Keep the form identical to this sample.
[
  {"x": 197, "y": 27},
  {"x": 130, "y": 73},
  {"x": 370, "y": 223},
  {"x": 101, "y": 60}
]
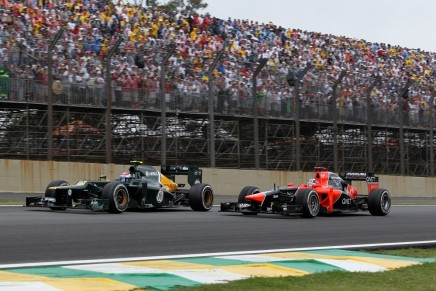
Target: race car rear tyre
[
  {"x": 51, "y": 192},
  {"x": 379, "y": 202},
  {"x": 309, "y": 201},
  {"x": 118, "y": 197},
  {"x": 201, "y": 197},
  {"x": 247, "y": 190}
]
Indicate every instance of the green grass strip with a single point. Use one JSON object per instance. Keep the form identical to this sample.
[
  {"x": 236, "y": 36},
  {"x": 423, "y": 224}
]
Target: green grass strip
[{"x": 343, "y": 253}]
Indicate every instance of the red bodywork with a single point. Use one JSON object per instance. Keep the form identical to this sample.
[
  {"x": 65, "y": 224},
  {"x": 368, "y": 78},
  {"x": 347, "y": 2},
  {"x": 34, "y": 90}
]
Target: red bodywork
[
  {"x": 324, "y": 184},
  {"x": 328, "y": 192}
]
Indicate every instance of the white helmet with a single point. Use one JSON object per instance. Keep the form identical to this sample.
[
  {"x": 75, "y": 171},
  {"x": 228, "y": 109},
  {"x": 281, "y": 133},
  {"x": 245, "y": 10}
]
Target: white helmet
[{"x": 125, "y": 176}]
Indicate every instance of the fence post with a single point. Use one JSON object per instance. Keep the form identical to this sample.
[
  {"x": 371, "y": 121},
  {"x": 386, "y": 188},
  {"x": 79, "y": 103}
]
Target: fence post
[
  {"x": 297, "y": 117},
  {"x": 255, "y": 119},
  {"x": 211, "y": 106},
  {"x": 163, "y": 106},
  {"x": 401, "y": 137},
  {"x": 368, "y": 120},
  {"x": 335, "y": 120},
  {"x": 431, "y": 137},
  {"x": 50, "y": 94},
  {"x": 108, "y": 116}
]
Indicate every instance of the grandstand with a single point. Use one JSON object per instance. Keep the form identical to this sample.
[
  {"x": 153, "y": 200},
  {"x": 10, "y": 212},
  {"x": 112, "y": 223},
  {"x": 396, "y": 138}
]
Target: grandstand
[{"x": 107, "y": 82}]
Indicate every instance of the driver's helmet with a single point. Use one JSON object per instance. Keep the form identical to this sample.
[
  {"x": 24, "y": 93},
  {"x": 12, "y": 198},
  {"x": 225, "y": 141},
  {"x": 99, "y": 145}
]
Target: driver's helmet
[
  {"x": 312, "y": 182},
  {"x": 125, "y": 176}
]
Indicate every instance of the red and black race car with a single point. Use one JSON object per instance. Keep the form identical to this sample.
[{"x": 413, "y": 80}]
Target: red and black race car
[{"x": 326, "y": 192}]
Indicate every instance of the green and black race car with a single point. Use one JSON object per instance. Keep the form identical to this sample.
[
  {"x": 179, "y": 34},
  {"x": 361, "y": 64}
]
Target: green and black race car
[{"x": 139, "y": 187}]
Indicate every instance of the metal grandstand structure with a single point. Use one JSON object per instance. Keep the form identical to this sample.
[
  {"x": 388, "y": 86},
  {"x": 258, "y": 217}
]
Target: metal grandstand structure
[
  {"x": 79, "y": 134},
  {"x": 40, "y": 122}
]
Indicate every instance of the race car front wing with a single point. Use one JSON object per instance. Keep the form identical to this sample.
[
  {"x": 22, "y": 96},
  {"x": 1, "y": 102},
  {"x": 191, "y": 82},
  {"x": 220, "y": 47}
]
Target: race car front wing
[
  {"x": 50, "y": 202},
  {"x": 248, "y": 208}
]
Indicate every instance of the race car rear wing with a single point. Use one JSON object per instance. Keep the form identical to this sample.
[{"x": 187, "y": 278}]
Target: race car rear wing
[
  {"x": 369, "y": 177},
  {"x": 195, "y": 175},
  {"x": 353, "y": 176}
]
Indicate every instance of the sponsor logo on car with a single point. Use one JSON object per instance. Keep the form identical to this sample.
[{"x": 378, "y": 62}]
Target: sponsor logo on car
[
  {"x": 151, "y": 174},
  {"x": 346, "y": 201}
]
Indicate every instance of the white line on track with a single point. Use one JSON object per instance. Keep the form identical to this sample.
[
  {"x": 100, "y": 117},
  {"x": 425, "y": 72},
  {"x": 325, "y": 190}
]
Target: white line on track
[{"x": 133, "y": 259}]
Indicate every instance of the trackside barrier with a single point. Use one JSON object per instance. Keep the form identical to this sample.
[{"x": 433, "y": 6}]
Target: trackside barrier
[{"x": 19, "y": 176}]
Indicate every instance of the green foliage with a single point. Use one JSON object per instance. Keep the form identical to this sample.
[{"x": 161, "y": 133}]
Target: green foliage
[
  {"x": 152, "y": 3},
  {"x": 191, "y": 6},
  {"x": 195, "y": 5},
  {"x": 173, "y": 5}
]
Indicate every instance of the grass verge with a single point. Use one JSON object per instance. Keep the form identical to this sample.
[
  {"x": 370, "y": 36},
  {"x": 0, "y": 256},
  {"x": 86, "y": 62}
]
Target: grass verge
[
  {"x": 418, "y": 277},
  {"x": 10, "y": 202}
]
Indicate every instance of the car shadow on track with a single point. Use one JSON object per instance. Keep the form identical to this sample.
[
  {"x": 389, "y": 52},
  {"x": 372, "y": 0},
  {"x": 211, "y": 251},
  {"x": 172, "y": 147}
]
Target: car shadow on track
[
  {"x": 297, "y": 216},
  {"x": 102, "y": 212}
]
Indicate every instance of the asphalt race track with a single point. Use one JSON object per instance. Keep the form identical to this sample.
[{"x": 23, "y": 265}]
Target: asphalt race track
[{"x": 29, "y": 235}]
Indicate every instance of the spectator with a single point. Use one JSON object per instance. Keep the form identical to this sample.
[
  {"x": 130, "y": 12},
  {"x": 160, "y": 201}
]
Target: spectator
[{"x": 92, "y": 27}]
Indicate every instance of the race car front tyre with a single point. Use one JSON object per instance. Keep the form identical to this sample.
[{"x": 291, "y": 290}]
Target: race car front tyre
[
  {"x": 201, "y": 197},
  {"x": 379, "y": 202},
  {"x": 247, "y": 190},
  {"x": 118, "y": 197},
  {"x": 309, "y": 201},
  {"x": 51, "y": 192}
]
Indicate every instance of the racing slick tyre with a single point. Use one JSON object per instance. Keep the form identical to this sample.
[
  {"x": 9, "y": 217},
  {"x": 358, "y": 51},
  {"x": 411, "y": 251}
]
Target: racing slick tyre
[
  {"x": 309, "y": 201},
  {"x": 118, "y": 197},
  {"x": 379, "y": 202},
  {"x": 247, "y": 190},
  {"x": 201, "y": 197},
  {"x": 51, "y": 192}
]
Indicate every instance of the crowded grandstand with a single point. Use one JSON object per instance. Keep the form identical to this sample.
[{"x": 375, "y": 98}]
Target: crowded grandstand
[{"x": 91, "y": 29}]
